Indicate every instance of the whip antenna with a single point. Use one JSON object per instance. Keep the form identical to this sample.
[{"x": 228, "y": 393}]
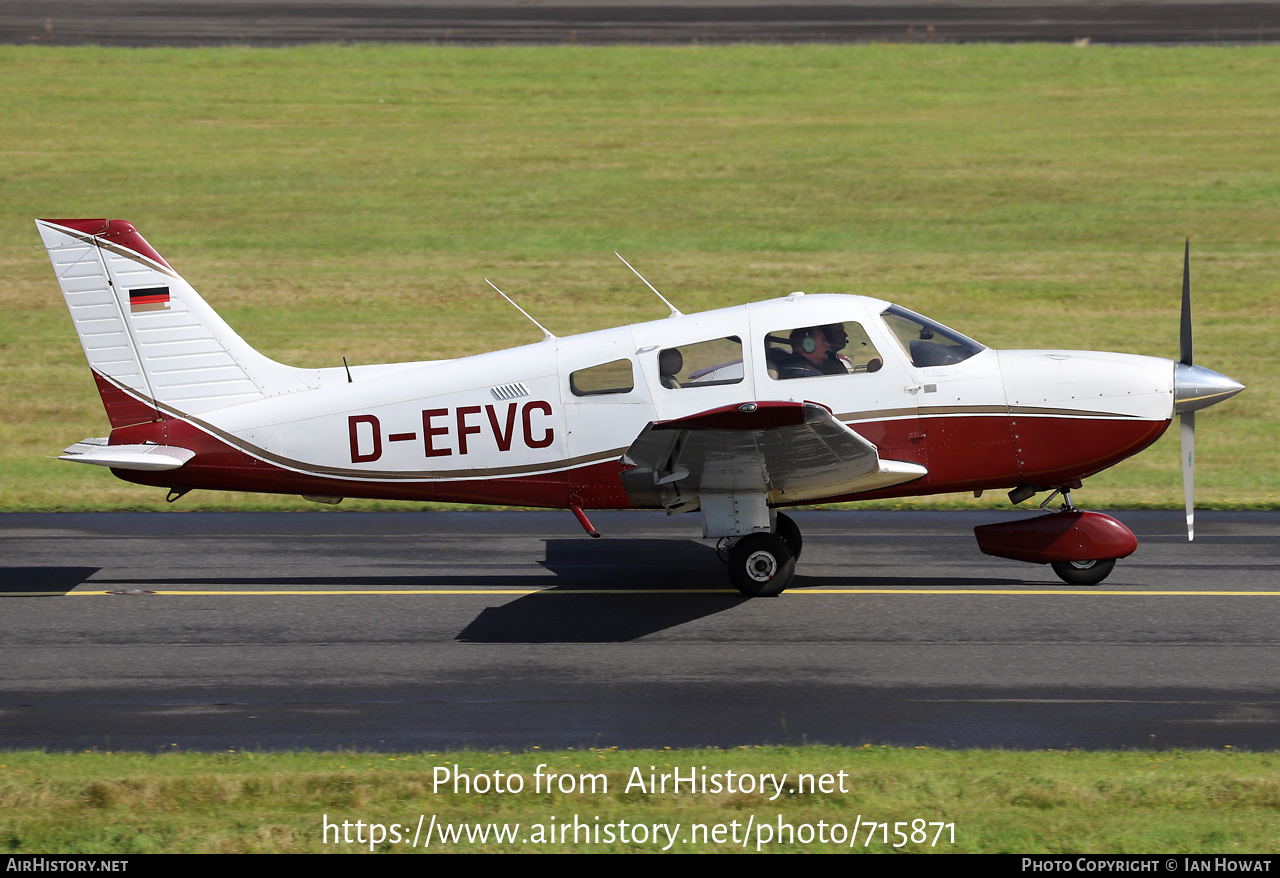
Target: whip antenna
[
  {"x": 546, "y": 333},
  {"x": 674, "y": 311}
]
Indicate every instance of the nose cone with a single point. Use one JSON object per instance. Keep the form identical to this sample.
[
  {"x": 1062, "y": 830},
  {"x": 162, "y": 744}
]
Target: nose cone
[{"x": 1195, "y": 387}]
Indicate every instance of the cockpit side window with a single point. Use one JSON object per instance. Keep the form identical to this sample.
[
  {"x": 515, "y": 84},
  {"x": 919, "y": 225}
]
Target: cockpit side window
[
  {"x": 612, "y": 377},
  {"x": 702, "y": 364},
  {"x": 813, "y": 351},
  {"x": 927, "y": 342}
]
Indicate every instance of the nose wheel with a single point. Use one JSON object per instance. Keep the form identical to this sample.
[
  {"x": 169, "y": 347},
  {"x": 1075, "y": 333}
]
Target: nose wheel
[
  {"x": 1081, "y": 547},
  {"x": 1083, "y": 572}
]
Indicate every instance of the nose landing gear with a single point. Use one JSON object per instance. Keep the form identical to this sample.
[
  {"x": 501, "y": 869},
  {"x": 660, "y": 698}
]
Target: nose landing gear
[{"x": 1081, "y": 547}]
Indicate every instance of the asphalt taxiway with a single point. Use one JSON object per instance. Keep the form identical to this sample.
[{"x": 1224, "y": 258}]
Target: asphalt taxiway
[
  {"x": 404, "y": 631},
  {"x": 604, "y": 22}
]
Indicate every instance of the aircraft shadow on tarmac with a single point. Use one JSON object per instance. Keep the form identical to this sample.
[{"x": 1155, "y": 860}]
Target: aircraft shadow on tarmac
[
  {"x": 47, "y": 580},
  {"x": 664, "y": 571},
  {"x": 591, "y": 618},
  {"x": 672, "y": 576}
]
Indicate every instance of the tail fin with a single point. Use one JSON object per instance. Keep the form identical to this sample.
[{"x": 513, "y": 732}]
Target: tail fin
[{"x": 154, "y": 345}]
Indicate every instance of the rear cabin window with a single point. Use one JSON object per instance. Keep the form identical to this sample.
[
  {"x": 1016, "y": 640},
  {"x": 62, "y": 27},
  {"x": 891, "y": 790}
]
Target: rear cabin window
[
  {"x": 702, "y": 364},
  {"x": 815, "y": 351},
  {"x": 612, "y": 377}
]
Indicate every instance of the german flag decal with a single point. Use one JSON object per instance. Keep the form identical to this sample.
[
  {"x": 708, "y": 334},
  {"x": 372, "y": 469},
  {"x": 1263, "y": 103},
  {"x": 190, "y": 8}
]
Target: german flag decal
[{"x": 149, "y": 299}]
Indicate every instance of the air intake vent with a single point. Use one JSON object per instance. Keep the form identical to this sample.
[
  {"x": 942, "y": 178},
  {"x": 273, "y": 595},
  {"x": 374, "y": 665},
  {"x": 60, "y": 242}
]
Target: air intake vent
[{"x": 509, "y": 391}]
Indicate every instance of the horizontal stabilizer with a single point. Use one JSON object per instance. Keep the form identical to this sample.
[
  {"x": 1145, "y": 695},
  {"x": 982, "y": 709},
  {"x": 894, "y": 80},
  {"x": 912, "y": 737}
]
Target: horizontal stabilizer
[{"x": 151, "y": 458}]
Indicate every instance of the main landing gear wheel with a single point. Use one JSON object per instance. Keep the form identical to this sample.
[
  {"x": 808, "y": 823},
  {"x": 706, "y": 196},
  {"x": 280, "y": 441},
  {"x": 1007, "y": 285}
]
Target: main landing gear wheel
[
  {"x": 761, "y": 565},
  {"x": 790, "y": 534},
  {"x": 1084, "y": 572}
]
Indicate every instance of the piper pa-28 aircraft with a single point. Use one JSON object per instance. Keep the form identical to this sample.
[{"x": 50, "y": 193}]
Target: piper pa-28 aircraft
[{"x": 734, "y": 413}]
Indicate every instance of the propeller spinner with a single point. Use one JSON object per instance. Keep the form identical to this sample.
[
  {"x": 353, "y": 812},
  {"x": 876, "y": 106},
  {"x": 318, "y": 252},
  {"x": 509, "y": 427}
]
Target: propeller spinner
[{"x": 1194, "y": 388}]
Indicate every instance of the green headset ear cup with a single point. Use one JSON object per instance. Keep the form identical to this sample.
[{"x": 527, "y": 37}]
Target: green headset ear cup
[{"x": 809, "y": 345}]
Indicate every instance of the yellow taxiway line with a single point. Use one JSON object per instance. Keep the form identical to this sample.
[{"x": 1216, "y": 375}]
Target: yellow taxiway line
[{"x": 554, "y": 590}]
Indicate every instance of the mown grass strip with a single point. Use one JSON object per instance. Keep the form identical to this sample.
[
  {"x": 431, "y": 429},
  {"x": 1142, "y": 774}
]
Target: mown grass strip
[{"x": 1044, "y": 802}]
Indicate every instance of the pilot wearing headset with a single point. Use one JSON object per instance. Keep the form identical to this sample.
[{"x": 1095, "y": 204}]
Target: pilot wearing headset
[
  {"x": 839, "y": 340},
  {"x": 815, "y": 351}
]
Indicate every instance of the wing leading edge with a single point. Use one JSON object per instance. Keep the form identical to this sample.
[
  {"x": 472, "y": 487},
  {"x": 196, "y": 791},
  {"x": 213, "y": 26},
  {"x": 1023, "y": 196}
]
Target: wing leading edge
[{"x": 790, "y": 451}]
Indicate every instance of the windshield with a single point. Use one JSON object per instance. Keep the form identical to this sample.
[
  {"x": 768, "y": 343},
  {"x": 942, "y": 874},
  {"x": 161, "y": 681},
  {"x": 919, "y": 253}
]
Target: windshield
[{"x": 927, "y": 342}]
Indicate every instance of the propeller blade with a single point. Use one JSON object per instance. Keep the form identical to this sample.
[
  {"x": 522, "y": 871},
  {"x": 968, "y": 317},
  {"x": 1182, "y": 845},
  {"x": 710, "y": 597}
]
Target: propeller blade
[
  {"x": 1187, "y": 421},
  {"x": 1188, "y": 431},
  {"x": 1186, "y": 357}
]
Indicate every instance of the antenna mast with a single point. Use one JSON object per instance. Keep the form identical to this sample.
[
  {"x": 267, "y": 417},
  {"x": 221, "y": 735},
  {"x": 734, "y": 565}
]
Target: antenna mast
[
  {"x": 546, "y": 333},
  {"x": 674, "y": 311}
]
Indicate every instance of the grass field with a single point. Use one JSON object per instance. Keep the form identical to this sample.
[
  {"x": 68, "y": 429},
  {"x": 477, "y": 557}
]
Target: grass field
[
  {"x": 1162, "y": 802},
  {"x": 349, "y": 201}
]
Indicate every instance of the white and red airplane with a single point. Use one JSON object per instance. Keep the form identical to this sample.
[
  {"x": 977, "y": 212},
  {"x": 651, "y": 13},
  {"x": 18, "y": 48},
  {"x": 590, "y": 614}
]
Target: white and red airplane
[{"x": 734, "y": 413}]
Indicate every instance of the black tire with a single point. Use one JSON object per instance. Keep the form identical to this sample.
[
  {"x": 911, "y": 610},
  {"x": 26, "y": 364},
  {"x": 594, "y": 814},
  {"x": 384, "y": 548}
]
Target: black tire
[
  {"x": 1084, "y": 572},
  {"x": 761, "y": 565},
  {"x": 790, "y": 534}
]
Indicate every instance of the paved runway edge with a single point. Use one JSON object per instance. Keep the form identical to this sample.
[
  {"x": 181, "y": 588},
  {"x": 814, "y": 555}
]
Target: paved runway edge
[{"x": 290, "y": 22}]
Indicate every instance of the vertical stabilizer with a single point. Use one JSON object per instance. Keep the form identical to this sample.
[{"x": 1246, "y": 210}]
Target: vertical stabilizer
[{"x": 154, "y": 345}]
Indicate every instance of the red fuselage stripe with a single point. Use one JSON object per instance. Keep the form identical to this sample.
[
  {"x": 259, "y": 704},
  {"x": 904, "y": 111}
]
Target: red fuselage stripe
[{"x": 961, "y": 454}]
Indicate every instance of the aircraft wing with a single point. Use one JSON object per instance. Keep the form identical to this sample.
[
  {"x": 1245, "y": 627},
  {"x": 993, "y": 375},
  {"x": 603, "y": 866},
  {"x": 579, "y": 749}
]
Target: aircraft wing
[{"x": 792, "y": 451}]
